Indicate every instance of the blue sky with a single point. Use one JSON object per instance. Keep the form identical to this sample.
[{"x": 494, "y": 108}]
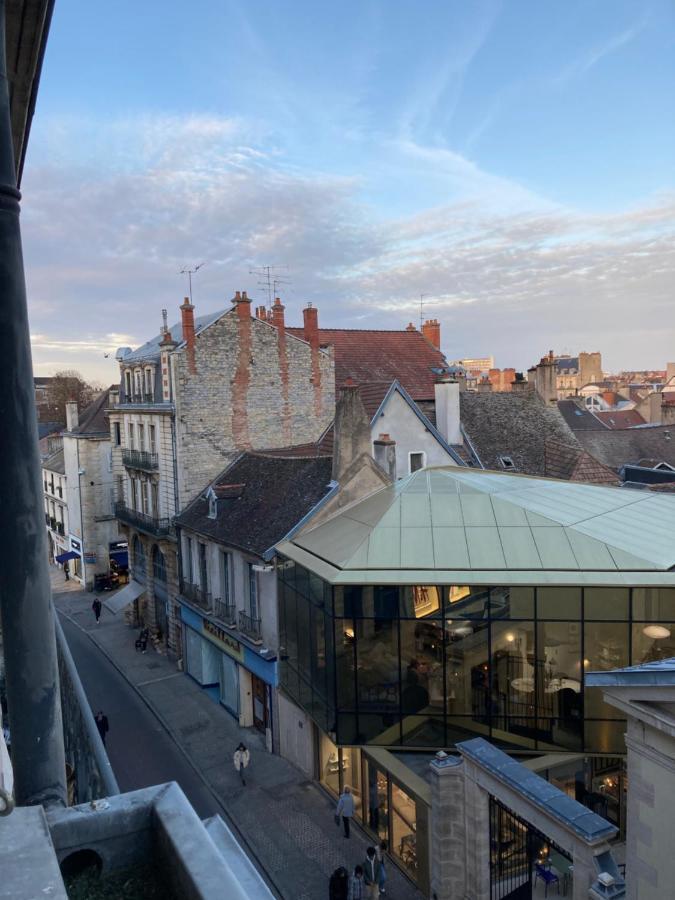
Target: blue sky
[{"x": 514, "y": 161}]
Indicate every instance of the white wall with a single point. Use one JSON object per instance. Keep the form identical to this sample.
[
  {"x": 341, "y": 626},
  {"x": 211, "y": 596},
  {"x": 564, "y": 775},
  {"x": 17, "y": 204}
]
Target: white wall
[
  {"x": 296, "y": 736},
  {"x": 400, "y": 422}
]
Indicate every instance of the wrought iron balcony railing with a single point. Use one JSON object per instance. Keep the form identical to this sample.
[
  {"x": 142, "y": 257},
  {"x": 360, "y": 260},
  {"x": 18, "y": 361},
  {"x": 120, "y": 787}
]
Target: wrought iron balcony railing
[
  {"x": 140, "y": 459},
  {"x": 250, "y": 627},
  {"x": 195, "y": 594},
  {"x": 149, "y": 524},
  {"x": 226, "y": 612}
]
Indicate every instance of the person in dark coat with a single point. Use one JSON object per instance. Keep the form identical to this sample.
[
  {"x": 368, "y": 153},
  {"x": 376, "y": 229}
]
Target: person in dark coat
[
  {"x": 101, "y": 724},
  {"x": 66, "y": 570},
  {"x": 96, "y": 606},
  {"x": 338, "y": 888}
]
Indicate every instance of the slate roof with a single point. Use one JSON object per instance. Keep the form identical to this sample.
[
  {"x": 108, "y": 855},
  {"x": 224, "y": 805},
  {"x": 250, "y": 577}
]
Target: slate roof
[
  {"x": 47, "y": 428},
  {"x": 550, "y": 799},
  {"x": 372, "y": 356},
  {"x": 94, "y": 418},
  {"x": 617, "y": 448},
  {"x": 568, "y": 363},
  {"x": 657, "y": 672},
  {"x": 55, "y": 462},
  {"x": 620, "y": 418},
  {"x": 151, "y": 349},
  {"x": 578, "y": 418},
  {"x": 575, "y": 464},
  {"x": 513, "y": 425},
  {"x": 277, "y": 493},
  {"x": 463, "y": 526}
]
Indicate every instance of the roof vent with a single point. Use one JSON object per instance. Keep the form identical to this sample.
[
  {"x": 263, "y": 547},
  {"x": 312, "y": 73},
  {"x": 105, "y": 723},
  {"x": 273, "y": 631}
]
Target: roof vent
[{"x": 506, "y": 462}]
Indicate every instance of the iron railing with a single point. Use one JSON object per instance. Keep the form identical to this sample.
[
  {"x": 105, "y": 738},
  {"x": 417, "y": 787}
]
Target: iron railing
[
  {"x": 197, "y": 595},
  {"x": 226, "y": 612},
  {"x": 145, "y": 398},
  {"x": 149, "y": 524},
  {"x": 140, "y": 459},
  {"x": 250, "y": 626}
]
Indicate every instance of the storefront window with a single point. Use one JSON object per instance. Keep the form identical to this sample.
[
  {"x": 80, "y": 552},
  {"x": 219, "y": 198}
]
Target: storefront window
[
  {"x": 654, "y": 604},
  {"x": 329, "y": 765},
  {"x": 512, "y": 602},
  {"x": 559, "y": 603},
  {"x": 344, "y": 663},
  {"x": 378, "y": 679},
  {"x": 378, "y": 801},
  {"x": 512, "y": 695},
  {"x": 652, "y": 641},
  {"x": 351, "y": 775},
  {"x": 606, "y": 603},
  {"x": 403, "y": 828},
  {"x": 605, "y": 648}
]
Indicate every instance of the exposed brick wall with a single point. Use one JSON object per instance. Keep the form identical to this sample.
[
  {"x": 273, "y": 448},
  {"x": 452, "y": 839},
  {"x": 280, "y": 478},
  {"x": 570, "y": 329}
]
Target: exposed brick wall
[{"x": 240, "y": 364}]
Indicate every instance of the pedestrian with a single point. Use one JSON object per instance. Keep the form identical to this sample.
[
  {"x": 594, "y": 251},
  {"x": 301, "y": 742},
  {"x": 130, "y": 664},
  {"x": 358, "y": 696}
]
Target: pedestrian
[
  {"x": 356, "y": 885},
  {"x": 66, "y": 570},
  {"x": 101, "y": 724},
  {"x": 241, "y": 760},
  {"x": 96, "y": 606},
  {"x": 371, "y": 873},
  {"x": 381, "y": 851},
  {"x": 338, "y": 888},
  {"x": 345, "y": 808}
]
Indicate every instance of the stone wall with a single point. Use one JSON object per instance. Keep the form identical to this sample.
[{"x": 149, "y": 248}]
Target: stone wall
[{"x": 241, "y": 396}]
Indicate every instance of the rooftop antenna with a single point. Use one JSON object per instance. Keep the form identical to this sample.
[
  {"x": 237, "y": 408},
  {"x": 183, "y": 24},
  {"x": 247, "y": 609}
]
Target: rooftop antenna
[
  {"x": 422, "y": 296},
  {"x": 186, "y": 270},
  {"x": 269, "y": 279}
]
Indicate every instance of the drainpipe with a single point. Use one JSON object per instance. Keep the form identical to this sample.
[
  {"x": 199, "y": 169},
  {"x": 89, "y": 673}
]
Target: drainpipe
[{"x": 26, "y": 606}]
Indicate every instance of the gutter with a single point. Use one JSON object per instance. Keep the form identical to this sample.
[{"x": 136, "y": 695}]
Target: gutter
[
  {"x": 332, "y": 490},
  {"x": 471, "y": 447}
]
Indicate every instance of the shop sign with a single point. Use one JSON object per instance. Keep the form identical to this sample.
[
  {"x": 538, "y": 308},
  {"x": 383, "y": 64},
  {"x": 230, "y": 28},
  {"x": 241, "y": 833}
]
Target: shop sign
[
  {"x": 75, "y": 545},
  {"x": 223, "y": 639},
  {"x": 90, "y": 558}
]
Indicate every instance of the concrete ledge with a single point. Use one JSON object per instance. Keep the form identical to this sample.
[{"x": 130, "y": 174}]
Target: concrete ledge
[{"x": 28, "y": 864}]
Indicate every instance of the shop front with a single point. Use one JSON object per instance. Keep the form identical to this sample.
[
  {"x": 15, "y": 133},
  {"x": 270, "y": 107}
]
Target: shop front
[
  {"x": 75, "y": 564},
  {"x": 392, "y": 803},
  {"x": 234, "y": 674}
]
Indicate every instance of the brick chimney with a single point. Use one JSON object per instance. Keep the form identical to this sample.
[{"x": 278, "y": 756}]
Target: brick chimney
[
  {"x": 72, "y": 415},
  {"x": 384, "y": 451},
  {"x": 242, "y": 304},
  {"x": 431, "y": 330},
  {"x": 187, "y": 312},
  {"x": 278, "y": 314},
  {"x": 310, "y": 317},
  {"x": 545, "y": 381}
]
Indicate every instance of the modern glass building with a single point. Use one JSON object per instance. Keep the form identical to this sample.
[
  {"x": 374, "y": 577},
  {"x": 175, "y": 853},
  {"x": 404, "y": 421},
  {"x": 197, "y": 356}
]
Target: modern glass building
[{"x": 459, "y": 603}]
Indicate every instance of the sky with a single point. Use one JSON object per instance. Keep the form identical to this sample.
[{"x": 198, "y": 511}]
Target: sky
[{"x": 512, "y": 162}]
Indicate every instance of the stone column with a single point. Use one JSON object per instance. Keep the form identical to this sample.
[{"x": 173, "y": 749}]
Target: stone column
[
  {"x": 448, "y": 828},
  {"x": 477, "y": 818}
]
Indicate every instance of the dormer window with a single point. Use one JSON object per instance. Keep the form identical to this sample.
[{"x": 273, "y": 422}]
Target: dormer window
[{"x": 506, "y": 463}]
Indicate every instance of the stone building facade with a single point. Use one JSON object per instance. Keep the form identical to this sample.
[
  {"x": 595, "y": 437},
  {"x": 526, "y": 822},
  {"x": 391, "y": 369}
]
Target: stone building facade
[{"x": 190, "y": 400}]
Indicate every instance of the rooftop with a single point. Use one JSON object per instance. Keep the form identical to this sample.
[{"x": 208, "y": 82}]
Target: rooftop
[
  {"x": 462, "y": 526},
  {"x": 658, "y": 672},
  {"x": 617, "y": 448},
  {"x": 55, "y": 462},
  {"x": 383, "y": 356},
  {"x": 94, "y": 418},
  {"x": 151, "y": 349}
]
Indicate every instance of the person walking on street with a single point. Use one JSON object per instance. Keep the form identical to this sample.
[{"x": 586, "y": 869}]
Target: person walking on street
[
  {"x": 338, "y": 887},
  {"x": 66, "y": 570},
  {"x": 241, "y": 760},
  {"x": 345, "y": 808},
  {"x": 101, "y": 724},
  {"x": 96, "y": 606},
  {"x": 371, "y": 874},
  {"x": 381, "y": 851},
  {"x": 357, "y": 890}
]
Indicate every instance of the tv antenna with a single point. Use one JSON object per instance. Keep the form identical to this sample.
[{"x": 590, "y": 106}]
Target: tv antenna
[
  {"x": 422, "y": 296},
  {"x": 186, "y": 270},
  {"x": 269, "y": 279}
]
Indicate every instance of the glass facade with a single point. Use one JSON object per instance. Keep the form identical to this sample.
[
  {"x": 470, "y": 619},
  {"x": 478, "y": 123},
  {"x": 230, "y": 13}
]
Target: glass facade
[{"x": 427, "y": 666}]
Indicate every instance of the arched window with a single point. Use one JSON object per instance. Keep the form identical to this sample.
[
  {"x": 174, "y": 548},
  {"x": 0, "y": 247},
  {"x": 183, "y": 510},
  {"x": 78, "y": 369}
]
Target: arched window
[
  {"x": 139, "y": 559},
  {"x": 158, "y": 564}
]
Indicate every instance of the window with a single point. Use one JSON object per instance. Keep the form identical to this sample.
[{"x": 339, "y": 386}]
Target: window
[
  {"x": 158, "y": 564},
  {"x": 254, "y": 609},
  {"x": 138, "y": 384},
  {"x": 154, "y": 488},
  {"x": 416, "y": 461},
  {"x": 203, "y": 573},
  {"x": 127, "y": 384},
  {"x": 152, "y": 438},
  {"x": 141, "y": 437},
  {"x": 132, "y": 437},
  {"x": 506, "y": 462},
  {"x": 117, "y": 434},
  {"x": 213, "y": 506},
  {"x": 120, "y": 488},
  {"x": 148, "y": 383},
  {"x": 225, "y": 568},
  {"x": 145, "y": 497},
  {"x": 188, "y": 560}
]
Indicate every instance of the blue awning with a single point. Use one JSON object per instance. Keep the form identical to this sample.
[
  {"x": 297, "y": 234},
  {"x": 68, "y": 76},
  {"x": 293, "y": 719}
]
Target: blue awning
[{"x": 64, "y": 557}]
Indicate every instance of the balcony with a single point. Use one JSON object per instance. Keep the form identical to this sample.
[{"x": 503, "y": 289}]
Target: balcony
[
  {"x": 196, "y": 595},
  {"x": 145, "y": 398},
  {"x": 60, "y": 529},
  {"x": 226, "y": 612},
  {"x": 148, "y": 524},
  {"x": 140, "y": 459},
  {"x": 250, "y": 627}
]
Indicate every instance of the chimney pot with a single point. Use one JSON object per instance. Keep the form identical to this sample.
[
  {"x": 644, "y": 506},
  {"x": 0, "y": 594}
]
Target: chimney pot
[
  {"x": 310, "y": 317},
  {"x": 431, "y": 330},
  {"x": 410, "y": 327}
]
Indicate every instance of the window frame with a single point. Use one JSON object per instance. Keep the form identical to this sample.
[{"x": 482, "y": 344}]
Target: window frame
[{"x": 412, "y": 453}]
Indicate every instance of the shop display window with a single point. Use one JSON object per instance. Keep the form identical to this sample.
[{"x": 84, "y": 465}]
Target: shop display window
[
  {"x": 329, "y": 765},
  {"x": 404, "y": 828}
]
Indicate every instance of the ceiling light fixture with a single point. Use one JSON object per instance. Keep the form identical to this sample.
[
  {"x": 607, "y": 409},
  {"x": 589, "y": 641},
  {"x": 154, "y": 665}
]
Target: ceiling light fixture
[{"x": 657, "y": 632}]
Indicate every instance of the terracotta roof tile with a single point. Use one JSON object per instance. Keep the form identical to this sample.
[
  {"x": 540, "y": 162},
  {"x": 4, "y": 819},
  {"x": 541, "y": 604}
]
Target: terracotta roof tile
[{"x": 620, "y": 418}]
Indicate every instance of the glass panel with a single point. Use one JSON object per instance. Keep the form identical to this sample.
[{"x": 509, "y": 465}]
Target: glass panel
[
  {"x": 606, "y": 603},
  {"x": 305, "y": 649},
  {"x": 351, "y": 775},
  {"x": 559, "y": 603},
  {"x": 559, "y": 683},
  {"x": 421, "y": 601},
  {"x": 512, "y": 696},
  {"x": 467, "y": 602},
  {"x": 385, "y": 601},
  {"x": 302, "y": 580},
  {"x": 422, "y": 666},
  {"x": 378, "y": 804},
  {"x": 377, "y": 676},
  {"x": 329, "y": 765},
  {"x": 654, "y": 604},
  {"x": 466, "y": 665},
  {"x": 316, "y": 589},
  {"x": 286, "y": 571},
  {"x": 344, "y": 664},
  {"x": 512, "y": 602},
  {"x": 605, "y": 648},
  {"x": 330, "y": 660},
  {"x": 605, "y": 737},
  {"x": 403, "y": 828},
  {"x": 423, "y": 731},
  {"x": 653, "y": 641},
  {"x": 318, "y": 659},
  {"x": 291, "y": 626},
  {"x": 346, "y": 728}
]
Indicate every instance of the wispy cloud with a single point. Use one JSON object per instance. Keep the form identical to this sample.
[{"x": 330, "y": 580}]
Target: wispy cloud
[{"x": 586, "y": 61}]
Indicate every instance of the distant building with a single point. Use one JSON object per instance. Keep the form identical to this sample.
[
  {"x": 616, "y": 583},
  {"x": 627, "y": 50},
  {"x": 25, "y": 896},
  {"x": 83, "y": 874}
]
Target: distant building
[
  {"x": 477, "y": 363},
  {"x": 567, "y": 376}
]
